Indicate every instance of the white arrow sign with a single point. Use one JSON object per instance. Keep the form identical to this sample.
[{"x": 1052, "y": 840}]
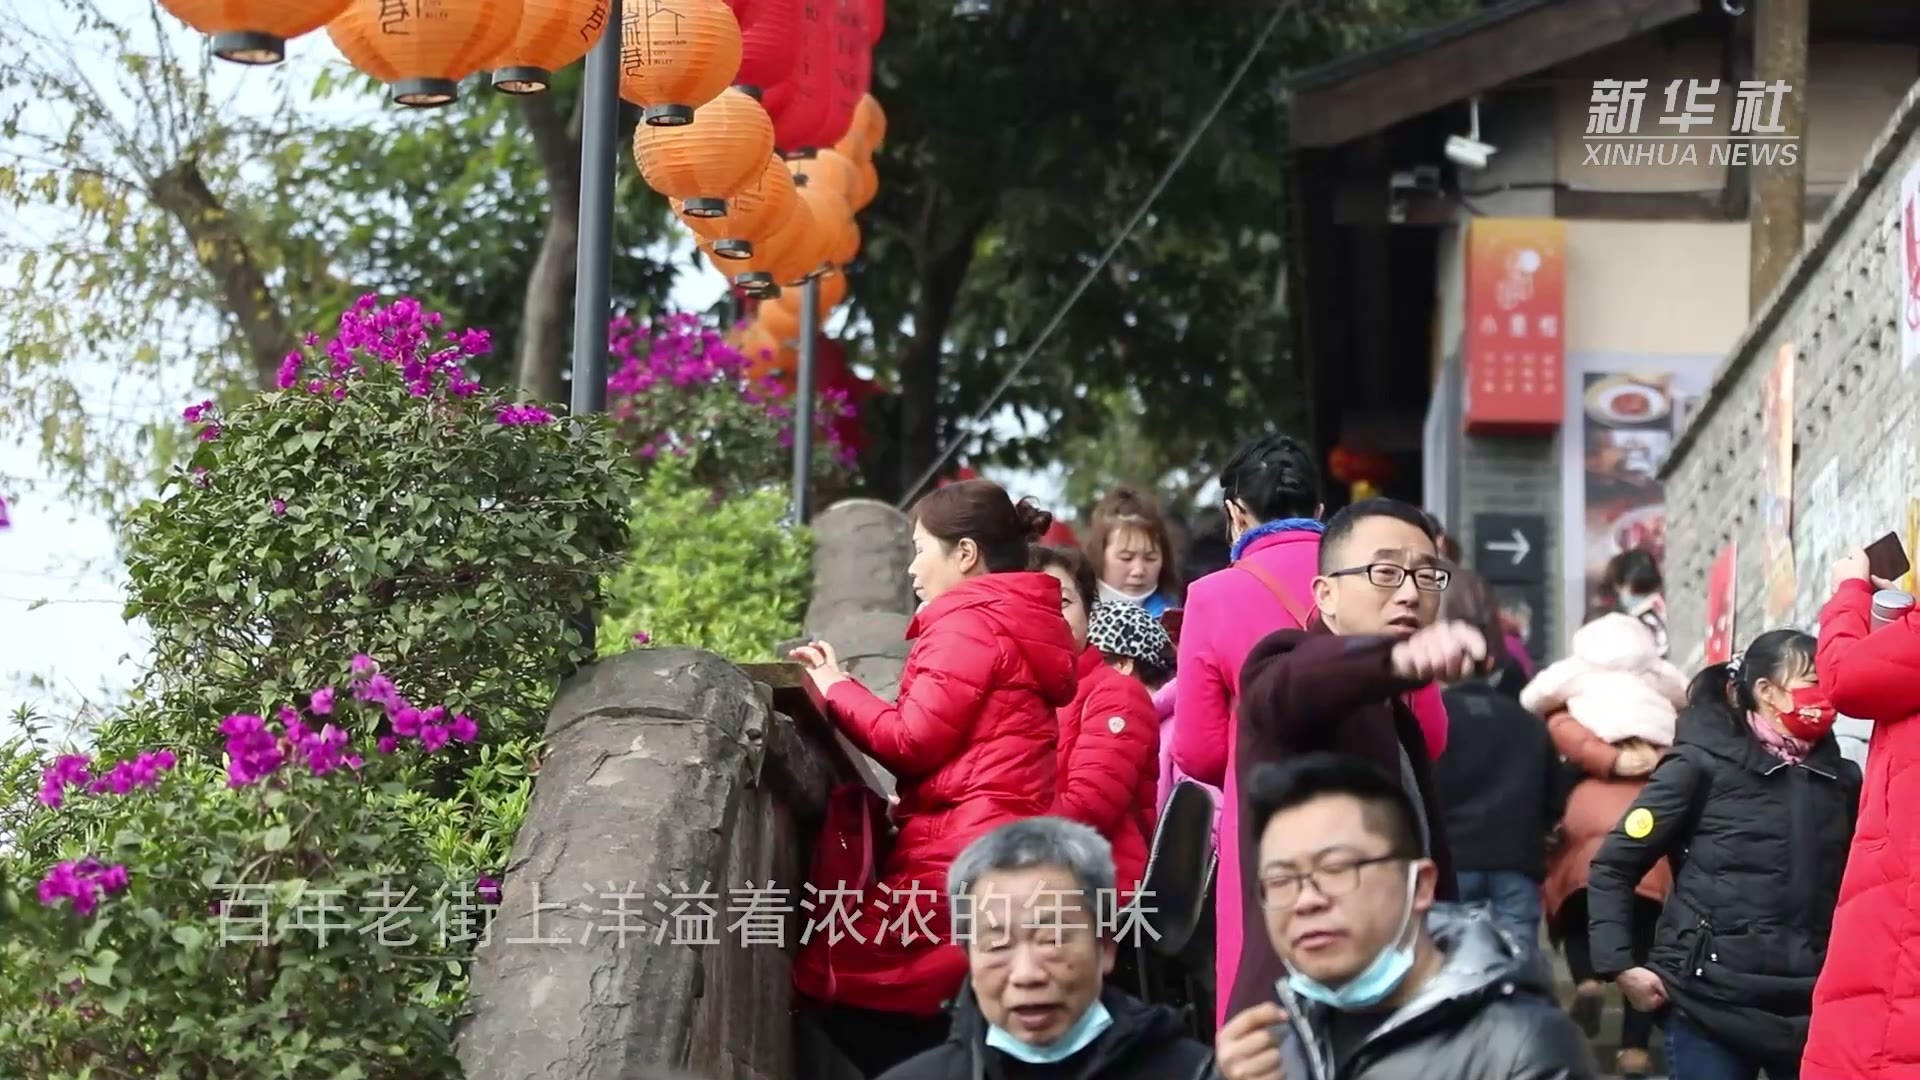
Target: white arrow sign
[{"x": 1517, "y": 547}]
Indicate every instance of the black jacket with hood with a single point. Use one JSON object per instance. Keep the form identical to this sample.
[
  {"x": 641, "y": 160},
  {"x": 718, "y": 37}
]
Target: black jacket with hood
[
  {"x": 1487, "y": 1014},
  {"x": 1757, "y": 847},
  {"x": 1145, "y": 1042}
]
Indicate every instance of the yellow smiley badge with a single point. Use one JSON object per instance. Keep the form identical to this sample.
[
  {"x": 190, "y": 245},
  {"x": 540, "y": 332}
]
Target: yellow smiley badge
[{"x": 1639, "y": 824}]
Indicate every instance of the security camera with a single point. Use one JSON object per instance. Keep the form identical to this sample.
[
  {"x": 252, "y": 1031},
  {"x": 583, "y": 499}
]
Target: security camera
[{"x": 1468, "y": 153}]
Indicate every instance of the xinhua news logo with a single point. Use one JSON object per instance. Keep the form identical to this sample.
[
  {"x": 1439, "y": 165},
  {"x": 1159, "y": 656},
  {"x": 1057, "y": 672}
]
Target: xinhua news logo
[{"x": 1686, "y": 127}]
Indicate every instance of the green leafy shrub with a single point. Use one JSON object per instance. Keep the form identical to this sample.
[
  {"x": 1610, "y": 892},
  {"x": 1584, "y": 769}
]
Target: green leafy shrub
[
  {"x": 383, "y": 500},
  {"x": 269, "y": 917},
  {"x": 724, "y": 574}
]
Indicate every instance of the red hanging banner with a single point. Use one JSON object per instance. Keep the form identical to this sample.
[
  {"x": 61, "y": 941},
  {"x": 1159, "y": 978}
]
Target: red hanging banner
[{"x": 1515, "y": 326}]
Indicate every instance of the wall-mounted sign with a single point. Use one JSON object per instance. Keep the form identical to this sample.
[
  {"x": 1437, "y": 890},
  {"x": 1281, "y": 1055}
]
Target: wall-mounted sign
[
  {"x": 1515, "y": 325},
  {"x": 1510, "y": 548},
  {"x": 1723, "y": 597},
  {"x": 1909, "y": 305}
]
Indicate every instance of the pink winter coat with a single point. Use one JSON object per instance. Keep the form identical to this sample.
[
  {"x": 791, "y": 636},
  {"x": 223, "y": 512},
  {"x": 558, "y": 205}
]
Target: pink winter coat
[
  {"x": 1171, "y": 774},
  {"x": 1615, "y": 683},
  {"x": 1227, "y": 613}
]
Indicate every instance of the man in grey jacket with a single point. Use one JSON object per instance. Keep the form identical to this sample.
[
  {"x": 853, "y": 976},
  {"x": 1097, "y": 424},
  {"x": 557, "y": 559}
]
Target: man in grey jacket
[{"x": 1381, "y": 983}]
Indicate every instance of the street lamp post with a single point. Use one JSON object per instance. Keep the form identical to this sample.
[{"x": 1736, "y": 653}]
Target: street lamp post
[
  {"x": 803, "y": 402},
  {"x": 593, "y": 266},
  {"x": 593, "y": 280}
]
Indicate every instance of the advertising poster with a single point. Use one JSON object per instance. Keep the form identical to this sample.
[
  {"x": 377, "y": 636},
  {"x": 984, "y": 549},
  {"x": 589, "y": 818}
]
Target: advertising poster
[
  {"x": 1515, "y": 318},
  {"x": 1723, "y": 597},
  {"x": 1628, "y": 424},
  {"x": 1909, "y": 305},
  {"x": 1776, "y": 488}
]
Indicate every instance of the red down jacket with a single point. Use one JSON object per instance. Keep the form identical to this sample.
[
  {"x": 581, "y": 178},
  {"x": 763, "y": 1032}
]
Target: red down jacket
[
  {"x": 971, "y": 742},
  {"x": 1863, "y": 1004},
  {"x": 1110, "y": 764}
]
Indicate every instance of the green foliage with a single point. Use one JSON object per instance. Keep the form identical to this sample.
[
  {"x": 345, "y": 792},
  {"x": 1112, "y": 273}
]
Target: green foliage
[
  {"x": 426, "y": 528},
  {"x": 727, "y": 574},
  {"x": 1006, "y": 172},
  {"x": 288, "y": 926}
]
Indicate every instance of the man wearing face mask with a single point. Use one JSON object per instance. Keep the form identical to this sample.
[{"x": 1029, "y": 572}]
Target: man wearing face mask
[
  {"x": 1378, "y": 982},
  {"x": 1028, "y": 899},
  {"x": 1344, "y": 685}
]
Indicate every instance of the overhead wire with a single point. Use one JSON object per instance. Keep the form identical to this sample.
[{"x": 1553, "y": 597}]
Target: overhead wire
[{"x": 1280, "y": 12}]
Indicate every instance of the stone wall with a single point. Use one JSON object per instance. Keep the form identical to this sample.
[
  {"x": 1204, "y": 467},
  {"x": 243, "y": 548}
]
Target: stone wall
[
  {"x": 674, "y": 782},
  {"x": 1855, "y": 413}
]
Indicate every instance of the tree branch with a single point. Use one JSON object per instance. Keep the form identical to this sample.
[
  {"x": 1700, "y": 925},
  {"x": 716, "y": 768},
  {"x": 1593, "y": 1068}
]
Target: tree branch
[
  {"x": 238, "y": 281},
  {"x": 547, "y": 309}
]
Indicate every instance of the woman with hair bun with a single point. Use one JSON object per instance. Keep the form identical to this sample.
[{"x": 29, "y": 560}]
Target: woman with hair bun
[{"x": 972, "y": 741}]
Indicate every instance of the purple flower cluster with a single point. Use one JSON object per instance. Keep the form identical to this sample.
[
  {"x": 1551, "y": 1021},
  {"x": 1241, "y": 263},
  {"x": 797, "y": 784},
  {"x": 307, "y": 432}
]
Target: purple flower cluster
[
  {"x": 681, "y": 357},
  {"x": 523, "y": 416},
  {"x": 85, "y": 883},
  {"x": 430, "y": 727},
  {"x": 206, "y": 415},
  {"x": 401, "y": 334},
  {"x": 75, "y": 771},
  {"x": 487, "y": 889}
]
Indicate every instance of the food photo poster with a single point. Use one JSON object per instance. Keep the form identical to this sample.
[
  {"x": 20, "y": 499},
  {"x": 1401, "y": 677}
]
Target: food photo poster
[{"x": 1621, "y": 422}]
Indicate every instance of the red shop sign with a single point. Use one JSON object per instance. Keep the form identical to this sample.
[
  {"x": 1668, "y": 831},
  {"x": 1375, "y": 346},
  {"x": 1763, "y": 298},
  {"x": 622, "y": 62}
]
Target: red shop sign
[{"x": 1515, "y": 326}]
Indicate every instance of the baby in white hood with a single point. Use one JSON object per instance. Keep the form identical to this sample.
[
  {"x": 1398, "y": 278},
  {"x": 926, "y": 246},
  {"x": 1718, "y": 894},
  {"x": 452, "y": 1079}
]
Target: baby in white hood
[{"x": 1615, "y": 684}]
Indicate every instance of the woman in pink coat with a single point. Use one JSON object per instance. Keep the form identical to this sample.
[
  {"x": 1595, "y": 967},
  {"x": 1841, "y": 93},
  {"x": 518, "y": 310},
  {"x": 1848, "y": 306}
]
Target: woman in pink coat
[{"x": 1272, "y": 494}]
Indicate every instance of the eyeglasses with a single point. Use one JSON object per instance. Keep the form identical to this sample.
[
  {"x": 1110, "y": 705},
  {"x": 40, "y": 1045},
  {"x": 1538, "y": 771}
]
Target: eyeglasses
[
  {"x": 1331, "y": 879},
  {"x": 1388, "y": 576}
]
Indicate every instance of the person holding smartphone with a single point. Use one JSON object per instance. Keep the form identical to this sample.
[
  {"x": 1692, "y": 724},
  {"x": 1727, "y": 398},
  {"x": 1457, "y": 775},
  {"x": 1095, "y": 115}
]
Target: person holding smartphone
[{"x": 1862, "y": 1000}]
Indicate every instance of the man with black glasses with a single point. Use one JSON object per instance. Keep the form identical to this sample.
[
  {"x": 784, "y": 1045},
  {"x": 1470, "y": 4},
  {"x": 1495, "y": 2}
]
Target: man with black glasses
[
  {"x": 1377, "y": 982},
  {"x": 1341, "y": 685}
]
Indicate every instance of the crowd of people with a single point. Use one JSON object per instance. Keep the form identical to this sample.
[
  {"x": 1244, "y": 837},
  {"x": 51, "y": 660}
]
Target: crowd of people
[{"x": 1409, "y": 813}]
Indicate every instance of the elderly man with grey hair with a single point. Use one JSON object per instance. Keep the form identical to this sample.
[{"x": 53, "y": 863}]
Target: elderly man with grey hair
[{"x": 1027, "y": 902}]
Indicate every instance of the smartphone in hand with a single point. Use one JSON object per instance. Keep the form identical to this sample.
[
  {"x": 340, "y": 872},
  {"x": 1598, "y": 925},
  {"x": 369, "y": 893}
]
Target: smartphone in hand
[{"x": 1887, "y": 558}]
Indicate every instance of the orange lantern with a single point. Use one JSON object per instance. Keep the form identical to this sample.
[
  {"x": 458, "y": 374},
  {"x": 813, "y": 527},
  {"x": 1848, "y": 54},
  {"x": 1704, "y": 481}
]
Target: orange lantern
[
  {"x": 676, "y": 57},
  {"x": 867, "y": 186},
  {"x": 870, "y": 119},
  {"x": 832, "y": 290},
  {"x": 829, "y": 168},
  {"x": 423, "y": 59},
  {"x": 804, "y": 251},
  {"x": 766, "y": 357},
  {"x": 753, "y": 212},
  {"x": 704, "y": 163},
  {"x": 868, "y": 131},
  {"x": 781, "y": 321},
  {"x": 750, "y": 273},
  {"x": 846, "y": 241},
  {"x": 254, "y": 31},
  {"x": 553, "y": 34}
]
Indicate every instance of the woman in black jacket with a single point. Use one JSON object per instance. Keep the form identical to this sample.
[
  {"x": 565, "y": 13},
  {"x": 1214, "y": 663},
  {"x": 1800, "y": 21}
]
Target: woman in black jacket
[{"x": 1754, "y": 807}]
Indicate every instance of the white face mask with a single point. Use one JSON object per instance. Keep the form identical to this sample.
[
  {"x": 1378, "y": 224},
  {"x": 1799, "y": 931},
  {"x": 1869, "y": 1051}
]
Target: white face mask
[
  {"x": 1110, "y": 594},
  {"x": 1634, "y": 604}
]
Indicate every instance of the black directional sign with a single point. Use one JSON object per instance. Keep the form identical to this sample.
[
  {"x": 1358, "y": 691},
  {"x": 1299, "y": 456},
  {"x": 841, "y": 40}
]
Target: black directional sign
[{"x": 1510, "y": 548}]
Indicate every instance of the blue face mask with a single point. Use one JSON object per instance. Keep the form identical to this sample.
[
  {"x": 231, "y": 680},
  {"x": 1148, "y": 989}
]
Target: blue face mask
[
  {"x": 1379, "y": 979},
  {"x": 1078, "y": 1037}
]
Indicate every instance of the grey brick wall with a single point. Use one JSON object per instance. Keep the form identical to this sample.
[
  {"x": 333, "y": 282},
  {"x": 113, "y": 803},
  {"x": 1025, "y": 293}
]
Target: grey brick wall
[{"x": 1854, "y": 412}]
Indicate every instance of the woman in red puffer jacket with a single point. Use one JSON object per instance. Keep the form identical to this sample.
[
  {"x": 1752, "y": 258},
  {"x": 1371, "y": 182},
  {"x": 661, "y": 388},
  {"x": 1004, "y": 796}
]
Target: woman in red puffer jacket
[
  {"x": 1110, "y": 734},
  {"x": 971, "y": 741}
]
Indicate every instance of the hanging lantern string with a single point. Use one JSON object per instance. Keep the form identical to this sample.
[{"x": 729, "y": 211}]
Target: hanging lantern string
[{"x": 1280, "y": 11}]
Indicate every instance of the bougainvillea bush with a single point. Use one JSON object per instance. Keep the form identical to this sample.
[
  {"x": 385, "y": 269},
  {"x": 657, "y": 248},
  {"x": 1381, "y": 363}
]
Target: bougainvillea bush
[
  {"x": 726, "y": 574},
  {"x": 257, "y": 913},
  {"x": 678, "y": 390},
  {"x": 383, "y": 499}
]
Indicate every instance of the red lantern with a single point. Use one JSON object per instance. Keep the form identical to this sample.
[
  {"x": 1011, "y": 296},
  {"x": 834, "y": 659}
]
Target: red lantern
[
  {"x": 800, "y": 105},
  {"x": 674, "y": 59},
  {"x": 852, "y": 68},
  {"x": 254, "y": 31},
  {"x": 769, "y": 41},
  {"x": 553, "y": 34},
  {"x": 424, "y": 59}
]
